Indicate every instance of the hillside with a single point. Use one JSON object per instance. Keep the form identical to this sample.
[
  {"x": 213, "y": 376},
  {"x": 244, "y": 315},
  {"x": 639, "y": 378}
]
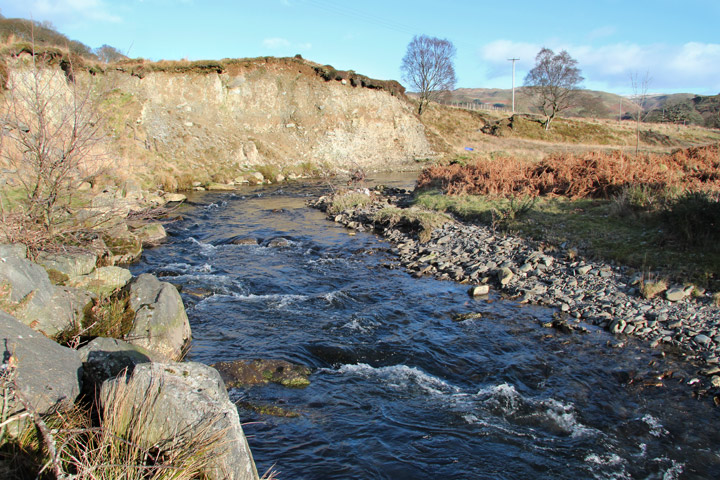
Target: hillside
[{"x": 664, "y": 108}]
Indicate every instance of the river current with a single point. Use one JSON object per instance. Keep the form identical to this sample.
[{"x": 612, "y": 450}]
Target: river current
[{"x": 403, "y": 385}]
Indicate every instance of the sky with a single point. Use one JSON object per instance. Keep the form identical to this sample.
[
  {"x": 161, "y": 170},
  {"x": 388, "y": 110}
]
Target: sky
[{"x": 675, "y": 43}]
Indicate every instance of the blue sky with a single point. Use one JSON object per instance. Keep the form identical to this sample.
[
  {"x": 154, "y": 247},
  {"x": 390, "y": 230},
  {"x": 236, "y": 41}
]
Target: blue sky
[{"x": 676, "y": 43}]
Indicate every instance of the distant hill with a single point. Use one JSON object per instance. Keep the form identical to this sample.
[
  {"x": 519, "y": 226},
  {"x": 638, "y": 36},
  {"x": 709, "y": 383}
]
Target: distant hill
[{"x": 674, "y": 108}]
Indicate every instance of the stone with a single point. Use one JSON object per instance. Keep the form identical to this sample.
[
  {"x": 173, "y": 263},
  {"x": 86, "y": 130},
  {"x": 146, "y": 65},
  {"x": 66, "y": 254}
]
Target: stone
[
  {"x": 12, "y": 250},
  {"x": 504, "y": 275},
  {"x": 479, "y": 290},
  {"x": 63, "y": 266},
  {"x": 102, "y": 281},
  {"x": 47, "y": 374},
  {"x": 104, "y": 358},
  {"x": 278, "y": 242},
  {"x": 27, "y": 293},
  {"x": 675, "y": 294},
  {"x": 703, "y": 340},
  {"x": 151, "y": 234},
  {"x": 221, "y": 187},
  {"x": 242, "y": 373},
  {"x": 177, "y": 197},
  {"x": 183, "y": 402},
  {"x": 584, "y": 270},
  {"x": 124, "y": 247},
  {"x": 161, "y": 324}
]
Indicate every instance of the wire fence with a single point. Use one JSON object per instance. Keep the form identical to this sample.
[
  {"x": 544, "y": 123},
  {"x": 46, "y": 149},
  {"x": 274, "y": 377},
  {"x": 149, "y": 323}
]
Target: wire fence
[{"x": 475, "y": 106}]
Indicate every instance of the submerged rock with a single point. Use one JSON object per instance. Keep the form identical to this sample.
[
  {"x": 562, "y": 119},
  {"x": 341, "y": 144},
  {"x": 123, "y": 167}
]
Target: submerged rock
[{"x": 242, "y": 373}]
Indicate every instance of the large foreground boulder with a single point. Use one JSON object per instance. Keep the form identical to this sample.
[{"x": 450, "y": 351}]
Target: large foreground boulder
[
  {"x": 104, "y": 358},
  {"x": 161, "y": 324},
  {"x": 47, "y": 375},
  {"x": 27, "y": 293},
  {"x": 176, "y": 403}
]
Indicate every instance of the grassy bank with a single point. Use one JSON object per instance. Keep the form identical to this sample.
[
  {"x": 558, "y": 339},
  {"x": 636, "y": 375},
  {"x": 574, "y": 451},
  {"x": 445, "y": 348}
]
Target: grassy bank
[{"x": 659, "y": 214}]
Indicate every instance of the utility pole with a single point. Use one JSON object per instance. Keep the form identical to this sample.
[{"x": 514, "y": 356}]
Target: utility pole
[{"x": 513, "y": 82}]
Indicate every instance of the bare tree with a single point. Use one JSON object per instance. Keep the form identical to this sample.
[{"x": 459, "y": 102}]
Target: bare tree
[
  {"x": 554, "y": 81},
  {"x": 639, "y": 98},
  {"x": 109, "y": 54},
  {"x": 428, "y": 67},
  {"x": 51, "y": 131}
]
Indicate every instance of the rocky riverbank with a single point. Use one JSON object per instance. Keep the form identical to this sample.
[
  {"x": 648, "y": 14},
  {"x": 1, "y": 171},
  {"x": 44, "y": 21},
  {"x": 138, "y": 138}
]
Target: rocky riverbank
[{"x": 581, "y": 291}]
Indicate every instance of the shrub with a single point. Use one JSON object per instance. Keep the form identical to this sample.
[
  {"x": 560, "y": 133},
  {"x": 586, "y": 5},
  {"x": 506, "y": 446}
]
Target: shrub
[
  {"x": 694, "y": 218},
  {"x": 650, "y": 289}
]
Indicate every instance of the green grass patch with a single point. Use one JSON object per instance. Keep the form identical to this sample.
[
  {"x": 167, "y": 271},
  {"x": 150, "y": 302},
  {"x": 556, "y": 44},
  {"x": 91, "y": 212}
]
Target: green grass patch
[{"x": 644, "y": 240}]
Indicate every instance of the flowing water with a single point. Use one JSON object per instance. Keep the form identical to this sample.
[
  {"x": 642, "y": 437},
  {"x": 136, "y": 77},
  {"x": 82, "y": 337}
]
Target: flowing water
[{"x": 402, "y": 389}]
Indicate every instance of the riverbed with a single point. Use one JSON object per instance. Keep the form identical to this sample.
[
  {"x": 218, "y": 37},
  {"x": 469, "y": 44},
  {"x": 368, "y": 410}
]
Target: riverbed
[{"x": 411, "y": 377}]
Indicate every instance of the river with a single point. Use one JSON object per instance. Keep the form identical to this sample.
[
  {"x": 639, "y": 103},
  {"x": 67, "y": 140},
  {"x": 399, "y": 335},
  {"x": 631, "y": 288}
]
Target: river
[{"x": 403, "y": 387}]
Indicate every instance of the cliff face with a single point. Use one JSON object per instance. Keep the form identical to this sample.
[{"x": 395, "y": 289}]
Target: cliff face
[{"x": 265, "y": 114}]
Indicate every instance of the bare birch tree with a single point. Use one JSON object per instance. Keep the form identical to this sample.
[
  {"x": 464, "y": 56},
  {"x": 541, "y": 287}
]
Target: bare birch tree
[
  {"x": 640, "y": 86},
  {"x": 553, "y": 82},
  {"x": 428, "y": 68},
  {"x": 51, "y": 130}
]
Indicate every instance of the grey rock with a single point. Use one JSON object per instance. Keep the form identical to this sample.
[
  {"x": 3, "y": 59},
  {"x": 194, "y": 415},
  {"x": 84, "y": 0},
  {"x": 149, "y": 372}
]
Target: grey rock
[
  {"x": 104, "y": 358},
  {"x": 675, "y": 294},
  {"x": 176, "y": 197},
  {"x": 47, "y": 374},
  {"x": 63, "y": 266},
  {"x": 479, "y": 290},
  {"x": 35, "y": 301},
  {"x": 12, "y": 250},
  {"x": 161, "y": 324},
  {"x": 102, "y": 281},
  {"x": 703, "y": 340},
  {"x": 181, "y": 402},
  {"x": 150, "y": 234},
  {"x": 584, "y": 269},
  {"x": 505, "y": 275}
]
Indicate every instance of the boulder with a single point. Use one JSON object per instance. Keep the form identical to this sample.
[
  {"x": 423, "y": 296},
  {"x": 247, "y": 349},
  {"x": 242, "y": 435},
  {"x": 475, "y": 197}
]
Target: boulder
[
  {"x": 104, "y": 358},
  {"x": 180, "y": 403},
  {"x": 241, "y": 373},
  {"x": 102, "y": 281},
  {"x": 47, "y": 374},
  {"x": 220, "y": 187},
  {"x": 175, "y": 197},
  {"x": 63, "y": 266},
  {"x": 12, "y": 250},
  {"x": 151, "y": 234},
  {"x": 124, "y": 247},
  {"x": 161, "y": 324},
  {"x": 27, "y": 293}
]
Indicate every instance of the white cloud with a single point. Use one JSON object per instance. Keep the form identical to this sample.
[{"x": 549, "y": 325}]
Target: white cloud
[
  {"x": 276, "y": 43},
  {"x": 96, "y": 10},
  {"x": 693, "y": 66}
]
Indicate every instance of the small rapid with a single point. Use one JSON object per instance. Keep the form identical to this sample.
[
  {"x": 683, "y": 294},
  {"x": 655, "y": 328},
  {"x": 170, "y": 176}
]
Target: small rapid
[{"x": 404, "y": 385}]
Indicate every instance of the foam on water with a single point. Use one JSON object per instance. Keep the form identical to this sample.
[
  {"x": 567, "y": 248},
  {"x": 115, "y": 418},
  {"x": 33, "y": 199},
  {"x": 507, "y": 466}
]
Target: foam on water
[
  {"x": 206, "y": 249},
  {"x": 656, "y": 428},
  {"x": 401, "y": 377}
]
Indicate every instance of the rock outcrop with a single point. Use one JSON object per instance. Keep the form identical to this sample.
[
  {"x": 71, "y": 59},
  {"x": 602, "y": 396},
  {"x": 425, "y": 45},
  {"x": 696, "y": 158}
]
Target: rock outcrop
[{"x": 185, "y": 402}]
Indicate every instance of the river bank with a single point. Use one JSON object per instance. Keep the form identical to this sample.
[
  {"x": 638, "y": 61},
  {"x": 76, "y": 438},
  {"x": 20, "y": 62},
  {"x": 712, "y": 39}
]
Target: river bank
[{"x": 584, "y": 293}]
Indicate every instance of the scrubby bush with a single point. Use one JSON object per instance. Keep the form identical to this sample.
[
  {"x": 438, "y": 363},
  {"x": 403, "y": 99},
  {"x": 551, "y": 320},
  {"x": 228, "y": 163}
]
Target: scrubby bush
[{"x": 694, "y": 218}]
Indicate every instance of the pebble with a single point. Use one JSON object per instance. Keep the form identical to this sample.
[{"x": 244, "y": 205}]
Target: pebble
[{"x": 592, "y": 291}]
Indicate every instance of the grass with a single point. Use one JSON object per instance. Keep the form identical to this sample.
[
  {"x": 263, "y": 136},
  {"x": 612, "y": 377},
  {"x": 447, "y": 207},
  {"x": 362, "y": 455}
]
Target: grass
[
  {"x": 77, "y": 444},
  {"x": 348, "y": 200},
  {"x": 421, "y": 220},
  {"x": 643, "y": 242}
]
